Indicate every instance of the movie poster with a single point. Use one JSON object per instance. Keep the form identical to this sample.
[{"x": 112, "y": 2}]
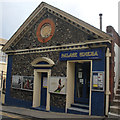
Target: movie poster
[
  {"x": 57, "y": 85},
  {"x": 98, "y": 80},
  {"x": 22, "y": 82}
]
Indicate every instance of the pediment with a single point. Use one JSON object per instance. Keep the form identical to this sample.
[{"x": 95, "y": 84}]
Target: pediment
[
  {"x": 42, "y": 12},
  {"x": 42, "y": 62}
]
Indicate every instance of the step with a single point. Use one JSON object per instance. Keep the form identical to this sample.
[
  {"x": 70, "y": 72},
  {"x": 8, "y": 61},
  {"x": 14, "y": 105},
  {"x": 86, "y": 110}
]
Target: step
[
  {"x": 117, "y": 96},
  {"x": 74, "y": 110},
  {"x": 83, "y": 106},
  {"x": 116, "y": 103},
  {"x": 115, "y": 109},
  {"x": 113, "y": 115},
  {"x": 118, "y": 91},
  {"x": 39, "y": 108}
]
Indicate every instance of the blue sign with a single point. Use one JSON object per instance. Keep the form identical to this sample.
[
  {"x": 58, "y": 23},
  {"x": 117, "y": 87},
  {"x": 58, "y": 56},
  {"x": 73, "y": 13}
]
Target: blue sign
[{"x": 87, "y": 54}]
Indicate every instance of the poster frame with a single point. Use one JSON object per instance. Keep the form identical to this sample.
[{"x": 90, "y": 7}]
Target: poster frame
[
  {"x": 103, "y": 81},
  {"x": 23, "y": 82},
  {"x": 57, "y": 79}
]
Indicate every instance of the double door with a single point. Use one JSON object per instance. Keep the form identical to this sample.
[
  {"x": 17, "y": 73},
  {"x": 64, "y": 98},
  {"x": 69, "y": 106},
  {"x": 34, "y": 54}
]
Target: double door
[{"x": 82, "y": 82}]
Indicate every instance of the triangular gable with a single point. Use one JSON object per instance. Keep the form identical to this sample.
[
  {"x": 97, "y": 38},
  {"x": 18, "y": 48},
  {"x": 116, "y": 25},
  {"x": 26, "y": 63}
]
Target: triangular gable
[{"x": 75, "y": 21}]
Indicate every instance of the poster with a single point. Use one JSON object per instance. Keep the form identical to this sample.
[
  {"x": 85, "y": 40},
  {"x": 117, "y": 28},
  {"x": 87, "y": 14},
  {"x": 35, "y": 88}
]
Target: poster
[
  {"x": 98, "y": 80},
  {"x": 79, "y": 74},
  {"x": 22, "y": 82},
  {"x": 17, "y": 81},
  {"x": 57, "y": 85},
  {"x": 44, "y": 82},
  {"x": 95, "y": 81}
]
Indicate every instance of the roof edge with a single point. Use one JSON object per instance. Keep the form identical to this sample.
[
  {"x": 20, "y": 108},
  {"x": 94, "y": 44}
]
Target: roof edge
[{"x": 67, "y": 15}]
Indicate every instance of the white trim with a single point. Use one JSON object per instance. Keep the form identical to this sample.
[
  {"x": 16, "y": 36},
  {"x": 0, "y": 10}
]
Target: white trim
[
  {"x": 108, "y": 55},
  {"x": 37, "y": 81},
  {"x": 60, "y": 12},
  {"x": 90, "y": 89},
  {"x": 61, "y": 47},
  {"x": 78, "y": 21},
  {"x": 70, "y": 82},
  {"x": 37, "y": 88},
  {"x": 45, "y": 59},
  {"x": 114, "y": 115}
]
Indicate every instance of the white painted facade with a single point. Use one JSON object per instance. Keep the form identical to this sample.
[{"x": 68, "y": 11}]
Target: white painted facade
[
  {"x": 3, "y": 59},
  {"x": 117, "y": 66}
]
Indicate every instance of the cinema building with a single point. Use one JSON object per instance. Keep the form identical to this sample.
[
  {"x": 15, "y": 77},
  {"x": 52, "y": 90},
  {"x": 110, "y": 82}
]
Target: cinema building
[{"x": 59, "y": 63}]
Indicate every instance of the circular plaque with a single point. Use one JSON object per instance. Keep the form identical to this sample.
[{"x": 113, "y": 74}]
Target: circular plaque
[{"x": 45, "y": 30}]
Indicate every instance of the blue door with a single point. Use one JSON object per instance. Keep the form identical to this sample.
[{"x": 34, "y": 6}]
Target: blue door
[
  {"x": 43, "y": 90},
  {"x": 82, "y": 82}
]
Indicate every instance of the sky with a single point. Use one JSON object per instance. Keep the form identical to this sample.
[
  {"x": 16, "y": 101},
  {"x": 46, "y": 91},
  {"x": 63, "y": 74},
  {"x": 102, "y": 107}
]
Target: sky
[{"x": 14, "y": 12}]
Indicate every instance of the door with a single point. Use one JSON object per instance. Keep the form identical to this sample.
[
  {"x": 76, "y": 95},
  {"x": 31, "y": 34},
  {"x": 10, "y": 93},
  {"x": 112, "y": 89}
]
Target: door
[
  {"x": 82, "y": 82},
  {"x": 43, "y": 90}
]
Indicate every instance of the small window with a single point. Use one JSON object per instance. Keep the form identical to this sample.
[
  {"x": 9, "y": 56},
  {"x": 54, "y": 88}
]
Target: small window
[{"x": 3, "y": 57}]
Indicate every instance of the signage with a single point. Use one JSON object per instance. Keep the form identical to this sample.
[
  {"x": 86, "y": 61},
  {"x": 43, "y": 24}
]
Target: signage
[
  {"x": 82, "y": 54},
  {"x": 98, "y": 80}
]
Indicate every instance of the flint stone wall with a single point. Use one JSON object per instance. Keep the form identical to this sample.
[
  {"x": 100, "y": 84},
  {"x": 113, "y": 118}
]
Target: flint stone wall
[
  {"x": 65, "y": 33},
  {"x": 22, "y": 66}
]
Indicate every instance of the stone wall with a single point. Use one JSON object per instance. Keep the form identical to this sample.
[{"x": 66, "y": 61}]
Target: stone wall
[
  {"x": 22, "y": 94},
  {"x": 22, "y": 66},
  {"x": 58, "y": 100},
  {"x": 65, "y": 33}
]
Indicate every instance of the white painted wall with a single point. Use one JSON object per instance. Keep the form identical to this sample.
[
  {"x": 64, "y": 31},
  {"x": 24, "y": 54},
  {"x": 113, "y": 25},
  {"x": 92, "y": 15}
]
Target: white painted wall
[{"x": 117, "y": 66}]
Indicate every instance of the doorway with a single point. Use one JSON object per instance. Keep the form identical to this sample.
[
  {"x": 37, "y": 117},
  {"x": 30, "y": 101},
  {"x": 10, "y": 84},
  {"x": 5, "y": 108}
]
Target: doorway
[
  {"x": 43, "y": 90},
  {"x": 82, "y": 83},
  {"x": 41, "y": 96},
  {"x": 42, "y": 71}
]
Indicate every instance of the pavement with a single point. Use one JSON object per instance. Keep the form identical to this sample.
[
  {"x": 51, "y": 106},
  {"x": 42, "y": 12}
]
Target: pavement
[
  {"x": 47, "y": 115},
  {"x": 33, "y": 113},
  {"x": 43, "y": 114}
]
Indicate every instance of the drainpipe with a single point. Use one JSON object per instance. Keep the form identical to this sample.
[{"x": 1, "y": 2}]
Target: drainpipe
[{"x": 108, "y": 55}]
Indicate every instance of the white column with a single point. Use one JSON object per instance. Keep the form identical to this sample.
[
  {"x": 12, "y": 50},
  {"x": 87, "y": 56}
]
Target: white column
[
  {"x": 107, "y": 80},
  {"x": 36, "y": 89},
  {"x": 90, "y": 89},
  {"x": 48, "y": 94},
  {"x": 70, "y": 84}
]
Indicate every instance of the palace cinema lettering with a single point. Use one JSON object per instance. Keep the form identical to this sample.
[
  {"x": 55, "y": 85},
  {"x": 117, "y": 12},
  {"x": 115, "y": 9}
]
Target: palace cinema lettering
[
  {"x": 69, "y": 55},
  {"x": 93, "y": 54},
  {"x": 81, "y": 54}
]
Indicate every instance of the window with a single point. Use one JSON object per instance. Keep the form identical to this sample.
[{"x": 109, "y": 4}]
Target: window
[{"x": 3, "y": 57}]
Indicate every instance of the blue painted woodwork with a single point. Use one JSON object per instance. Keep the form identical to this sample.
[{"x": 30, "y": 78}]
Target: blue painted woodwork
[
  {"x": 97, "y": 103},
  {"x": 43, "y": 92},
  {"x": 8, "y": 78},
  {"x": 98, "y": 97},
  {"x": 42, "y": 62},
  {"x": 86, "y": 54},
  {"x": 86, "y": 85},
  {"x": 56, "y": 109}
]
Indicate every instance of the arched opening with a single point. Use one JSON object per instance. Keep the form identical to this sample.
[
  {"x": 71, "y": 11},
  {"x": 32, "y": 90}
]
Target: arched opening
[{"x": 42, "y": 72}]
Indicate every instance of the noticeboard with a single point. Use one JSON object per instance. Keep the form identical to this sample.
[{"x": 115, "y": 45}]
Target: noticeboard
[{"x": 98, "y": 80}]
